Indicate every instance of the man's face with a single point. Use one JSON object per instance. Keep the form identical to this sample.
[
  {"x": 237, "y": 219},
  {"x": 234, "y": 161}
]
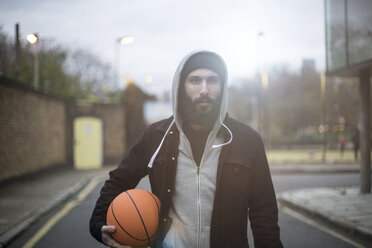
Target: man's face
[{"x": 203, "y": 87}]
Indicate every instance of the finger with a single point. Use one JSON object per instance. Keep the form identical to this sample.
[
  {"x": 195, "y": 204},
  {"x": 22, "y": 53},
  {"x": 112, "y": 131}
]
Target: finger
[
  {"x": 114, "y": 244},
  {"x": 123, "y": 246},
  {"x": 108, "y": 240},
  {"x": 108, "y": 229}
]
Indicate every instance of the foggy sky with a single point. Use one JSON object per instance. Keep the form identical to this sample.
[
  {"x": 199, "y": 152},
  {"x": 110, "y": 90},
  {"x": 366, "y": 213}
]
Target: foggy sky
[{"x": 166, "y": 30}]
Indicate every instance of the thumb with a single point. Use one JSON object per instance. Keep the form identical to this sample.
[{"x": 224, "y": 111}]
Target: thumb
[{"x": 111, "y": 228}]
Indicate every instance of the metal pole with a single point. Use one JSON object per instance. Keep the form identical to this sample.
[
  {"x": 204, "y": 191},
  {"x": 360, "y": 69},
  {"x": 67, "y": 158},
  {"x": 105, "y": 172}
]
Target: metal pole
[
  {"x": 118, "y": 55},
  {"x": 365, "y": 132},
  {"x": 261, "y": 94},
  {"x": 324, "y": 129},
  {"x": 17, "y": 51},
  {"x": 36, "y": 65},
  {"x": 265, "y": 109}
]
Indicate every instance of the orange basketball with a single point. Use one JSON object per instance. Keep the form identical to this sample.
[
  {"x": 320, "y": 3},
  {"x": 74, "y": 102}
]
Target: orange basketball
[{"x": 135, "y": 215}]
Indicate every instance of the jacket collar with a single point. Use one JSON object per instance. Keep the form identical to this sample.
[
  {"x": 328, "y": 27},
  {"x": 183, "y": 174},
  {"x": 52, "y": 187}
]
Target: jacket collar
[{"x": 163, "y": 125}]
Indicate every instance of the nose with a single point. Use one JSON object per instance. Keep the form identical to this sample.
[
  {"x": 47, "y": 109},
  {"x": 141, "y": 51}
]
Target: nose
[{"x": 204, "y": 88}]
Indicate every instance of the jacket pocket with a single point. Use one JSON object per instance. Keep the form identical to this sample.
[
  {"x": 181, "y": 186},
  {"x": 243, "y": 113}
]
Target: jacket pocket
[
  {"x": 238, "y": 176},
  {"x": 237, "y": 179}
]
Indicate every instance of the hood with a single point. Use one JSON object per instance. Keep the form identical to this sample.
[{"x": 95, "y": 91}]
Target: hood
[
  {"x": 175, "y": 101},
  {"x": 176, "y": 86}
]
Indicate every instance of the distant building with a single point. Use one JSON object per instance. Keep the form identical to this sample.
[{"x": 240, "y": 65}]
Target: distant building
[{"x": 308, "y": 63}]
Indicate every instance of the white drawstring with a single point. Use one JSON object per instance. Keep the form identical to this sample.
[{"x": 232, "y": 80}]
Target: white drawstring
[
  {"x": 161, "y": 143},
  {"x": 231, "y": 135},
  {"x": 150, "y": 164}
]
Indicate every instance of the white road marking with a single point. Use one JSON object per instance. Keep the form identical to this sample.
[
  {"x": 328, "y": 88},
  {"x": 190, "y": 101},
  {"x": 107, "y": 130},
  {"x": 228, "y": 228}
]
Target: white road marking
[
  {"x": 63, "y": 212},
  {"x": 318, "y": 226}
]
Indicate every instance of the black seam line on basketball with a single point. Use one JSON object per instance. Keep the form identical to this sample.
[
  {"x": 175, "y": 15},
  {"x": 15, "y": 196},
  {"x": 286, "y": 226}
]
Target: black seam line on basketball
[
  {"x": 122, "y": 228},
  {"x": 156, "y": 231},
  {"x": 139, "y": 214},
  {"x": 155, "y": 201}
]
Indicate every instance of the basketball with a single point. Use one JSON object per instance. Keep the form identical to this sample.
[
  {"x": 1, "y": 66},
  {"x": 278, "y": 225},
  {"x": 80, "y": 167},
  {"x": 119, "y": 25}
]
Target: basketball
[{"x": 135, "y": 215}]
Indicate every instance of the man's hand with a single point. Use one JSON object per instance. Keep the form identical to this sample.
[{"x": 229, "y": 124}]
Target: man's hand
[{"x": 108, "y": 240}]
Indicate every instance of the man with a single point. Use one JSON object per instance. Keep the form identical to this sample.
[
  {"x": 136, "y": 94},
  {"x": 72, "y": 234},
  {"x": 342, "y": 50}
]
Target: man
[{"x": 207, "y": 169}]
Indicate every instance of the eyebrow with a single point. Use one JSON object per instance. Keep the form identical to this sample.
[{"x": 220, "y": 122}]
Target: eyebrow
[
  {"x": 213, "y": 77},
  {"x": 194, "y": 77},
  {"x": 198, "y": 77}
]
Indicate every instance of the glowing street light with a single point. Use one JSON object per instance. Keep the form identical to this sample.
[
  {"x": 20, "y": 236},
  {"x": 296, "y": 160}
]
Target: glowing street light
[
  {"x": 148, "y": 79},
  {"x": 126, "y": 40},
  {"x": 34, "y": 39}
]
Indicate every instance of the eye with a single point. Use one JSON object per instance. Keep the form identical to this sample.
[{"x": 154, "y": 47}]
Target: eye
[
  {"x": 194, "y": 80},
  {"x": 213, "y": 80}
]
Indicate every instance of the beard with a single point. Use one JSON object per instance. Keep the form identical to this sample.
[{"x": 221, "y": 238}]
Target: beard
[{"x": 192, "y": 114}]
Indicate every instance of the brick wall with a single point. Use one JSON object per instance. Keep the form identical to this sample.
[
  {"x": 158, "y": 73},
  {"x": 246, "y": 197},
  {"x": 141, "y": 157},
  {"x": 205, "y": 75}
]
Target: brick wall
[
  {"x": 36, "y": 129},
  {"x": 32, "y": 130}
]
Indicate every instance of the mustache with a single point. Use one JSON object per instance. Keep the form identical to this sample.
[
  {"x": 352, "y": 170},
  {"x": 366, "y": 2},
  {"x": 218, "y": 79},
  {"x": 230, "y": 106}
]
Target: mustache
[{"x": 203, "y": 99}]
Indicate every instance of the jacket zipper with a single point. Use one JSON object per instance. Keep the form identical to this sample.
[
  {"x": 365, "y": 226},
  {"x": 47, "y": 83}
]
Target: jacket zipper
[
  {"x": 198, "y": 180},
  {"x": 199, "y": 208},
  {"x": 198, "y": 203},
  {"x": 199, "y": 188}
]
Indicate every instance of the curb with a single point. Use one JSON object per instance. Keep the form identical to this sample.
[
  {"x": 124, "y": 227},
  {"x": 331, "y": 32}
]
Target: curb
[
  {"x": 310, "y": 171},
  {"x": 17, "y": 228},
  {"x": 314, "y": 168},
  {"x": 345, "y": 225}
]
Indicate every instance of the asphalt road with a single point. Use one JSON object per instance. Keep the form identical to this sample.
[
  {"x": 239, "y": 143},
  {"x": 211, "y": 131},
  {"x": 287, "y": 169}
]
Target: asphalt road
[{"x": 72, "y": 229}]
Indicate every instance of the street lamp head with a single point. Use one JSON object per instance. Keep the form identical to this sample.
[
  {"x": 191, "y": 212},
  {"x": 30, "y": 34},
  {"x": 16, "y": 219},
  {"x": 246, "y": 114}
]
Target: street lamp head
[
  {"x": 126, "y": 40},
  {"x": 32, "y": 38}
]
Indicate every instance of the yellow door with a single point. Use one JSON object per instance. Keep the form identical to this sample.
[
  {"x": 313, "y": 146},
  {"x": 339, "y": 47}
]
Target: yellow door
[{"x": 87, "y": 143}]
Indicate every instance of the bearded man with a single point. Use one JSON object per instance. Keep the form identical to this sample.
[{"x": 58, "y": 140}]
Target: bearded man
[{"x": 209, "y": 171}]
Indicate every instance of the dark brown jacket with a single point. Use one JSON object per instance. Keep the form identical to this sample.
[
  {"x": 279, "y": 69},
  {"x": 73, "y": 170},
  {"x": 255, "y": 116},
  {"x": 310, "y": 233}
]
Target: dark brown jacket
[{"x": 243, "y": 185}]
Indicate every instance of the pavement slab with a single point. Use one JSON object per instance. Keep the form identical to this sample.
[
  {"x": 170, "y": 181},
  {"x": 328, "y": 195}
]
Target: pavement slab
[
  {"x": 344, "y": 206},
  {"x": 25, "y": 200}
]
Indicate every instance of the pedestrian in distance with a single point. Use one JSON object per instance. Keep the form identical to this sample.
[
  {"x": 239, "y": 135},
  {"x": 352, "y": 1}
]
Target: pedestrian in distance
[
  {"x": 341, "y": 145},
  {"x": 209, "y": 171}
]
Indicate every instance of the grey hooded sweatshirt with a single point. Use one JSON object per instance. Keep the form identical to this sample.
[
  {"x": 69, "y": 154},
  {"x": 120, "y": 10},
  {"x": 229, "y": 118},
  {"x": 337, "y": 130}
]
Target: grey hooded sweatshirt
[{"x": 192, "y": 200}]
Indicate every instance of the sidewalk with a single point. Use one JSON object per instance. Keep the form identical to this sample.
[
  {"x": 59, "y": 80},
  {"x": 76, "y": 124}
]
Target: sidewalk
[
  {"x": 24, "y": 201},
  {"x": 343, "y": 206},
  {"x": 314, "y": 168}
]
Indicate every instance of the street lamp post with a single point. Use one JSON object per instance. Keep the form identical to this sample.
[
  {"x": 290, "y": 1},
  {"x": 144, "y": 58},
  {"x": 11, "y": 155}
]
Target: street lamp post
[
  {"x": 259, "y": 76},
  {"x": 263, "y": 107},
  {"x": 34, "y": 39},
  {"x": 121, "y": 41},
  {"x": 324, "y": 127}
]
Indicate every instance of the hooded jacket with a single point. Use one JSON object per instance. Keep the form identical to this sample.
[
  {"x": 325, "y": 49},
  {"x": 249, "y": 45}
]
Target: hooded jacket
[
  {"x": 194, "y": 187},
  {"x": 205, "y": 207}
]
